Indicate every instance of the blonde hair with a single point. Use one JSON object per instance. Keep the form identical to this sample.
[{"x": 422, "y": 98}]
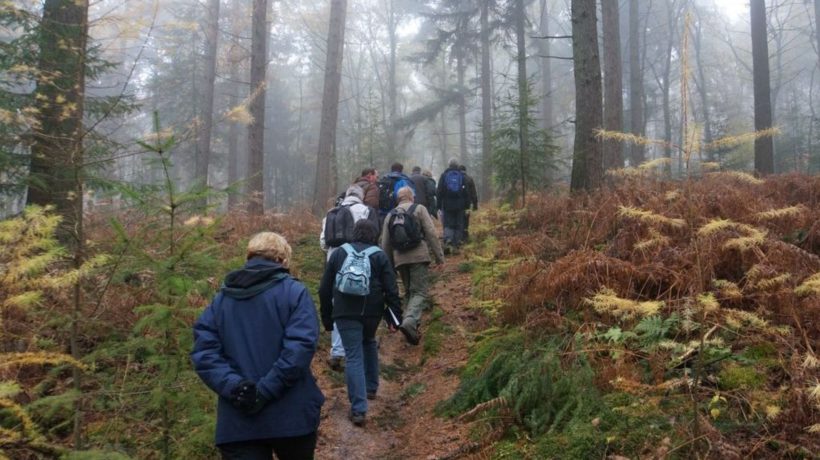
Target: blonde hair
[
  {"x": 271, "y": 246},
  {"x": 405, "y": 194}
]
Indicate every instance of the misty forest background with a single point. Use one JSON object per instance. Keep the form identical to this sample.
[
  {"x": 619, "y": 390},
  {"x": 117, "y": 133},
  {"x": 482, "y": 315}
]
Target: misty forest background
[{"x": 648, "y": 167}]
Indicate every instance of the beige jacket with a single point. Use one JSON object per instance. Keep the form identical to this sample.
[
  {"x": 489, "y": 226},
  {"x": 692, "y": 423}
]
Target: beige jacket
[{"x": 421, "y": 253}]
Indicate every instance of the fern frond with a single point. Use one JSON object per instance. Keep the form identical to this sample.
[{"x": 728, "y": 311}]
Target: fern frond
[
  {"x": 38, "y": 359},
  {"x": 656, "y": 240},
  {"x": 25, "y": 300},
  {"x": 773, "y": 214},
  {"x": 650, "y": 217},
  {"x": 714, "y": 226},
  {"x": 740, "y": 317},
  {"x": 496, "y": 403},
  {"x": 739, "y": 176},
  {"x": 813, "y": 428},
  {"x": 727, "y": 289},
  {"x": 811, "y": 361},
  {"x": 708, "y": 303},
  {"x": 744, "y": 243},
  {"x": 771, "y": 283},
  {"x": 606, "y": 301},
  {"x": 672, "y": 195},
  {"x": 17, "y": 411},
  {"x": 772, "y": 411},
  {"x": 809, "y": 286}
]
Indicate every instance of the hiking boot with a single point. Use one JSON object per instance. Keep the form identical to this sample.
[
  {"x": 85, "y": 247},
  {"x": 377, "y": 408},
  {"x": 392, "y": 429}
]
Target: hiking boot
[
  {"x": 410, "y": 333},
  {"x": 371, "y": 395},
  {"x": 357, "y": 418},
  {"x": 337, "y": 363}
]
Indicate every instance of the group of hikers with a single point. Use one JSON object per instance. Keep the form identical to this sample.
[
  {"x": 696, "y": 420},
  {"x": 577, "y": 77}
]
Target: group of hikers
[{"x": 253, "y": 345}]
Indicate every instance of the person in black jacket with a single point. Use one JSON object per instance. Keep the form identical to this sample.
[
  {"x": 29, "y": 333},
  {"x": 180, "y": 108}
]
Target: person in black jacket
[
  {"x": 453, "y": 200},
  {"x": 472, "y": 194},
  {"x": 357, "y": 317}
]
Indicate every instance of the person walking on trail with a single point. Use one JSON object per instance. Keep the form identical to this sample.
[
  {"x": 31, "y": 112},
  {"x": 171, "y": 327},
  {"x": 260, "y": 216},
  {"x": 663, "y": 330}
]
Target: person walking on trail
[
  {"x": 253, "y": 346},
  {"x": 357, "y": 283},
  {"x": 408, "y": 237},
  {"x": 472, "y": 195},
  {"x": 389, "y": 186},
  {"x": 453, "y": 200},
  {"x": 423, "y": 195},
  {"x": 432, "y": 199},
  {"x": 337, "y": 229},
  {"x": 367, "y": 181}
]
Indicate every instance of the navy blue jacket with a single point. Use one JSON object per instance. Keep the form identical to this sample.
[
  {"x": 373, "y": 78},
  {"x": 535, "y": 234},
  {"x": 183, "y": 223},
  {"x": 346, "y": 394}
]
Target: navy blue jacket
[
  {"x": 262, "y": 326},
  {"x": 452, "y": 201}
]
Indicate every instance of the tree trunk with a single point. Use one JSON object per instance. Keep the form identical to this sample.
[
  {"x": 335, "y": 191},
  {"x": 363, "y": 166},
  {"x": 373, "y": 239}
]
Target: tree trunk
[
  {"x": 256, "y": 129},
  {"x": 486, "y": 104},
  {"x": 703, "y": 91},
  {"x": 636, "y": 125},
  {"x": 817, "y": 26},
  {"x": 461, "y": 70},
  {"x": 233, "y": 127},
  {"x": 587, "y": 165},
  {"x": 544, "y": 46},
  {"x": 523, "y": 97},
  {"x": 613, "y": 88},
  {"x": 325, "y": 182},
  {"x": 206, "y": 107},
  {"x": 56, "y": 149},
  {"x": 392, "y": 92},
  {"x": 764, "y": 146},
  {"x": 57, "y": 144}
]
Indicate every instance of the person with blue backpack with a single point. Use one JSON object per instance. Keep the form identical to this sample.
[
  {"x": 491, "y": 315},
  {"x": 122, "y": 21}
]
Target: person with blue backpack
[
  {"x": 453, "y": 201},
  {"x": 389, "y": 186},
  {"x": 253, "y": 346},
  {"x": 337, "y": 229},
  {"x": 357, "y": 290}
]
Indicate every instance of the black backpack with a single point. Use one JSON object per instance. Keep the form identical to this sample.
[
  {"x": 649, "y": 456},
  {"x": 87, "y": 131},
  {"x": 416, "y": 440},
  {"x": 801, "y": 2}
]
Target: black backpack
[
  {"x": 405, "y": 229},
  {"x": 339, "y": 226},
  {"x": 388, "y": 188}
]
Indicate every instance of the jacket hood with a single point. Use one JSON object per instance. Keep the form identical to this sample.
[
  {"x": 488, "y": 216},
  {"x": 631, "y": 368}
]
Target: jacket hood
[
  {"x": 352, "y": 199},
  {"x": 255, "y": 277}
]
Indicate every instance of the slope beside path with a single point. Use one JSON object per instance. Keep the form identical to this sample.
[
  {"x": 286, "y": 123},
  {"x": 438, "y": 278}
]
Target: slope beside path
[{"x": 401, "y": 423}]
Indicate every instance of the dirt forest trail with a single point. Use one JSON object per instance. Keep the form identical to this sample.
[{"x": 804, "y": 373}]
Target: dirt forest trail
[{"x": 401, "y": 423}]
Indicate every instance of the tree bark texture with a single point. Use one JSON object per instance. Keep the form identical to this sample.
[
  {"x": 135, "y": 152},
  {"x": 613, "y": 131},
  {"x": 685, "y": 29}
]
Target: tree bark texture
[
  {"x": 206, "y": 107},
  {"x": 233, "y": 127},
  {"x": 57, "y": 139},
  {"x": 764, "y": 146},
  {"x": 523, "y": 96},
  {"x": 486, "y": 104},
  {"x": 461, "y": 70},
  {"x": 703, "y": 89},
  {"x": 587, "y": 161},
  {"x": 636, "y": 125},
  {"x": 256, "y": 129},
  {"x": 613, "y": 86},
  {"x": 325, "y": 181}
]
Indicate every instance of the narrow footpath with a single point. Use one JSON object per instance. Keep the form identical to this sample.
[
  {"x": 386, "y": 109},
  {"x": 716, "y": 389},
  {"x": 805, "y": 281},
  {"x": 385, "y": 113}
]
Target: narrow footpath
[{"x": 401, "y": 423}]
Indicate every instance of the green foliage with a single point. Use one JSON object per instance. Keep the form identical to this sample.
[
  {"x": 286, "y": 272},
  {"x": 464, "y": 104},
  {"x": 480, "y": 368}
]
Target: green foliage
[
  {"x": 737, "y": 377},
  {"x": 434, "y": 334},
  {"x": 512, "y": 170}
]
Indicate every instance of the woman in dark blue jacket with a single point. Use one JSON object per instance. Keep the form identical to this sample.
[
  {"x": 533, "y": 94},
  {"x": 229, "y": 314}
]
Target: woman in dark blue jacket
[
  {"x": 357, "y": 317},
  {"x": 253, "y": 347}
]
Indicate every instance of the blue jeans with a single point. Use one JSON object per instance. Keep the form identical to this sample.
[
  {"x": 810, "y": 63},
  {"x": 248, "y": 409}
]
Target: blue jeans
[
  {"x": 361, "y": 359},
  {"x": 336, "y": 348}
]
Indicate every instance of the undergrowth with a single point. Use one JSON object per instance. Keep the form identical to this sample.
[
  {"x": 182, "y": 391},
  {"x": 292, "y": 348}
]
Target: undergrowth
[{"x": 690, "y": 300}]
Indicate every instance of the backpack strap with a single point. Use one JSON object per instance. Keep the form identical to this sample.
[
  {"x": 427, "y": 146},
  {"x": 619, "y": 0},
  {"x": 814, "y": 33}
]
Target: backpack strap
[
  {"x": 348, "y": 248},
  {"x": 371, "y": 250},
  {"x": 412, "y": 209}
]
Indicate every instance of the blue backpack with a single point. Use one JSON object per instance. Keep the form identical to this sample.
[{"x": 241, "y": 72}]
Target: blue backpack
[
  {"x": 454, "y": 181},
  {"x": 389, "y": 188},
  {"x": 354, "y": 276}
]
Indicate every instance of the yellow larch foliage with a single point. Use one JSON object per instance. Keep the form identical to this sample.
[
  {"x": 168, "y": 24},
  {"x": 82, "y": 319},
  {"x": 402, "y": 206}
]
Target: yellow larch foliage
[
  {"x": 239, "y": 114},
  {"x": 606, "y": 301},
  {"x": 654, "y": 164},
  {"x": 745, "y": 138},
  {"x": 650, "y": 217}
]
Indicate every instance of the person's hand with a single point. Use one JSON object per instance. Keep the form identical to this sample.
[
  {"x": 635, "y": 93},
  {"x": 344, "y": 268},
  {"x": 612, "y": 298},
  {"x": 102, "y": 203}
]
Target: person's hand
[
  {"x": 392, "y": 328},
  {"x": 247, "y": 398}
]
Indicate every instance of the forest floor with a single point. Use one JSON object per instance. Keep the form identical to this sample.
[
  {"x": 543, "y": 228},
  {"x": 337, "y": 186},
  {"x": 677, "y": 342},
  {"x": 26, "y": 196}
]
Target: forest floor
[{"x": 401, "y": 421}]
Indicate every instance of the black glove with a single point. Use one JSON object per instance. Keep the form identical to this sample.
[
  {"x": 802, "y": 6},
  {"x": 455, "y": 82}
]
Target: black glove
[{"x": 247, "y": 399}]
